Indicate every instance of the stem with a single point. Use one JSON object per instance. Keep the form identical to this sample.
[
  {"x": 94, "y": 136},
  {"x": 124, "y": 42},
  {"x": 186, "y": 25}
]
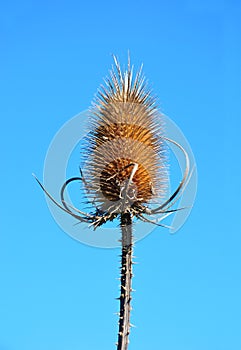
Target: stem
[{"x": 126, "y": 276}]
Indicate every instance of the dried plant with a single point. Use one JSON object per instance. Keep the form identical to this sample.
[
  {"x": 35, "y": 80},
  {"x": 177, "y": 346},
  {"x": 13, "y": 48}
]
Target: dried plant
[{"x": 125, "y": 169}]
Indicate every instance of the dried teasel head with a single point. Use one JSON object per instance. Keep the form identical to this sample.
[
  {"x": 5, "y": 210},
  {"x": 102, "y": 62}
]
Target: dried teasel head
[
  {"x": 125, "y": 165},
  {"x": 124, "y": 158}
]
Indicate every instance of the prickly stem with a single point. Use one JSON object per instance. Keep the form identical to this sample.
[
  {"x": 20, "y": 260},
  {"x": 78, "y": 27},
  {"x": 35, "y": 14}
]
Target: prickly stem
[{"x": 126, "y": 277}]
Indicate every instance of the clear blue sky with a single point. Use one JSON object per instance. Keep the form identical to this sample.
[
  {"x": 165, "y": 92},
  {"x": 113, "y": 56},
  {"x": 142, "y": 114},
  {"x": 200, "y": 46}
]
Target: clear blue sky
[{"x": 58, "y": 294}]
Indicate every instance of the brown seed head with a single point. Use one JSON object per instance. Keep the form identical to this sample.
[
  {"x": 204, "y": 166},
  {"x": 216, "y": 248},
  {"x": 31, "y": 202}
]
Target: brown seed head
[{"x": 125, "y": 164}]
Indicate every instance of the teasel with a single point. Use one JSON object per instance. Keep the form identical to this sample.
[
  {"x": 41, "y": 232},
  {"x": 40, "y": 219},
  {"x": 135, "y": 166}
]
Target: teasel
[{"x": 125, "y": 169}]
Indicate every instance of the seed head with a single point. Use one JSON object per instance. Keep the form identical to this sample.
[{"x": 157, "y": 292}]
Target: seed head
[
  {"x": 125, "y": 158},
  {"x": 125, "y": 163}
]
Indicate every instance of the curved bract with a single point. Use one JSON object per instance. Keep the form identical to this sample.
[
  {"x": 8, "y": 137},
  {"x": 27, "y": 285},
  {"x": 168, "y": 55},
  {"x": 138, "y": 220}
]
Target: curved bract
[{"x": 100, "y": 217}]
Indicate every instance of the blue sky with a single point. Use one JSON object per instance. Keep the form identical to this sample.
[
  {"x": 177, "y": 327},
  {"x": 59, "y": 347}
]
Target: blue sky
[{"x": 57, "y": 293}]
